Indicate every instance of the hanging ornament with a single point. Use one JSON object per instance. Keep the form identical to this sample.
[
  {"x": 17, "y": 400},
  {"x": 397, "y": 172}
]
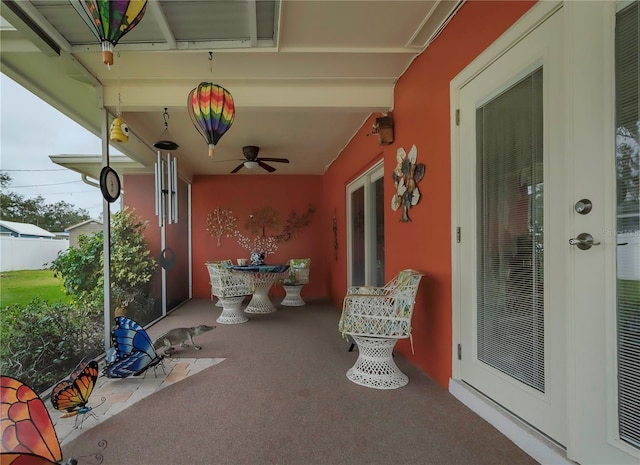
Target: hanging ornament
[
  {"x": 119, "y": 130},
  {"x": 165, "y": 142},
  {"x": 110, "y": 20},
  {"x": 212, "y": 111}
]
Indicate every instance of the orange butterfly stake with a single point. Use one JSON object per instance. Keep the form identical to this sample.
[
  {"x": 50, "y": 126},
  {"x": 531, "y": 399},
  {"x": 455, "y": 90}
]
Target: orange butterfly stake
[
  {"x": 28, "y": 435},
  {"x": 26, "y": 430},
  {"x": 72, "y": 394}
]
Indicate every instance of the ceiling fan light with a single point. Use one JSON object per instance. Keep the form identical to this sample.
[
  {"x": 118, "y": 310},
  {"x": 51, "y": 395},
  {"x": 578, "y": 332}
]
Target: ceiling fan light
[{"x": 250, "y": 164}]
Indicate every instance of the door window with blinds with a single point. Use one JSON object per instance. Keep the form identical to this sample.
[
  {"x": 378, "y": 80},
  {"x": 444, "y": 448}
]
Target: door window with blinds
[
  {"x": 627, "y": 67},
  {"x": 509, "y": 212}
]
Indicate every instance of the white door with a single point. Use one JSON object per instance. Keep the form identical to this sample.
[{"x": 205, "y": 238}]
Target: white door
[
  {"x": 512, "y": 231},
  {"x": 548, "y": 166},
  {"x": 604, "y": 281}
]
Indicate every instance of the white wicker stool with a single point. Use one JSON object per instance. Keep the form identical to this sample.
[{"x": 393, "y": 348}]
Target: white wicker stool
[
  {"x": 292, "y": 298},
  {"x": 375, "y": 367},
  {"x": 232, "y": 311}
]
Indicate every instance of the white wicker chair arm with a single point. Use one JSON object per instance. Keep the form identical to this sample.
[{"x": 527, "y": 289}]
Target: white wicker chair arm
[{"x": 367, "y": 290}]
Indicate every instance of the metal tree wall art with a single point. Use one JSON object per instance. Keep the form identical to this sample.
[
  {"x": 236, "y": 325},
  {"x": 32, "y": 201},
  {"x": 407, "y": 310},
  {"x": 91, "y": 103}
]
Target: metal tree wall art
[
  {"x": 258, "y": 223},
  {"x": 212, "y": 110},
  {"x": 221, "y": 222},
  {"x": 110, "y": 20},
  {"x": 406, "y": 177}
]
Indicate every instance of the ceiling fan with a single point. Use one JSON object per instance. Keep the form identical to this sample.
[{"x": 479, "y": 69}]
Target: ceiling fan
[{"x": 252, "y": 160}]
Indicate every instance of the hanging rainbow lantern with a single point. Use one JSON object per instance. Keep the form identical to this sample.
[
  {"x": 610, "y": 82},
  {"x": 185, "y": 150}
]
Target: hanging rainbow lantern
[
  {"x": 109, "y": 20},
  {"x": 212, "y": 111}
]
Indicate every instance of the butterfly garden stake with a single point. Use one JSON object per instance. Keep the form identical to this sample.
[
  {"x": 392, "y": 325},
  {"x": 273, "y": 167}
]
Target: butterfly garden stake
[
  {"x": 72, "y": 394},
  {"x": 134, "y": 352},
  {"x": 406, "y": 177},
  {"x": 27, "y": 434}
]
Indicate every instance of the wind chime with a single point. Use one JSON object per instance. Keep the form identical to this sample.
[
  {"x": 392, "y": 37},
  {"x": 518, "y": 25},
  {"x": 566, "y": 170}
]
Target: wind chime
[{"x": 166, "y": 174}]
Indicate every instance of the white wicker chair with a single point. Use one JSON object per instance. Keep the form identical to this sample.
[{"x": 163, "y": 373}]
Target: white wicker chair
[
  {"x": 231, "y": 289},
  {"x": 298, "y": 276},
  {"x": 224, "y": 262},
  {"x": 376, "y": 317}
]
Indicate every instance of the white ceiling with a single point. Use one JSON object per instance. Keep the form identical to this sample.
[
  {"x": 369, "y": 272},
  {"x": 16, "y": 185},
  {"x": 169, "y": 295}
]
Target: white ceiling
[{"x": 304, "y": 74}]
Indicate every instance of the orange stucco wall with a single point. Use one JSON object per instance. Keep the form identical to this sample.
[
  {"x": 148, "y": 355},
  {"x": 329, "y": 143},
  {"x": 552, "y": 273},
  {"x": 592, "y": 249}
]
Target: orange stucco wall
[
  {"x": 421, "y": 118},
  {"x": 243, "y": 193}
]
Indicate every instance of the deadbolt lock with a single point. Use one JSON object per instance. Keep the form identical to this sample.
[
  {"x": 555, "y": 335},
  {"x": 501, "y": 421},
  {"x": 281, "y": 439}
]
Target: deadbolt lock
[{"x": 583, "y": 206}]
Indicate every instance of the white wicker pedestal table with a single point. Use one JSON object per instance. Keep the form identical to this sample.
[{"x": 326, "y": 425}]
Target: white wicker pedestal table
[{"x": 262, "y": 278}]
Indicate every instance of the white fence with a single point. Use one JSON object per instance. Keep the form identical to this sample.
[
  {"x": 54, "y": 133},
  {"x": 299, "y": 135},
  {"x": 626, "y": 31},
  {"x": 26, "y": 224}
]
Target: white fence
[
  {"x": 628, "y": 253},
  {"x": 23, "y": 253}
]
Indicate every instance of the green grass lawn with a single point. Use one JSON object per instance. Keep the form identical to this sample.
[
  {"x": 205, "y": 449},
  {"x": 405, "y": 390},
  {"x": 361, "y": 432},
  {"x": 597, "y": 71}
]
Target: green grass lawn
[{"x": 20, "y": 287}]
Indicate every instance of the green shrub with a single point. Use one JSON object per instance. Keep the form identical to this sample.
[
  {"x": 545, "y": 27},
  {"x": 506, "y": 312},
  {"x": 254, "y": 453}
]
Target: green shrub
[
  {"x": 132, "y": 267},
  {"x": 41, "y": 343}
]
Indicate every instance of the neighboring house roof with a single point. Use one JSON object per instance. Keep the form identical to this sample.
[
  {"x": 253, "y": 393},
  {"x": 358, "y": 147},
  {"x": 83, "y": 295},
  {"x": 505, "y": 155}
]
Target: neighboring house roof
[
  {"x": 25, "y": 229},
  {"x": 82, "y": 224}
]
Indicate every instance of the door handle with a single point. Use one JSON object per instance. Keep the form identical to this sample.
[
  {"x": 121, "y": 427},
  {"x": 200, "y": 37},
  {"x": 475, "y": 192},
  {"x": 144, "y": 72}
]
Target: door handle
[{"x": 584, "y": 241}]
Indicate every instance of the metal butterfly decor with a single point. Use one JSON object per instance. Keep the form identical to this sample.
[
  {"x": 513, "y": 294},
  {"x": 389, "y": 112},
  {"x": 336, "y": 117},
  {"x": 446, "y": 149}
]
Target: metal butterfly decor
[
  {"x": 72, "y": 394},
  {"x": 406, "y": 177},
  {"x": 133, "y": 349},
  {"x": 26, "y": 430}
]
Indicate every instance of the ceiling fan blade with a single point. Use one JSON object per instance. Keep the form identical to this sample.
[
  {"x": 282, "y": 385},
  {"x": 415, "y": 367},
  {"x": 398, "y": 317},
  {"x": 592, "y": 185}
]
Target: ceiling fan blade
[
  {"x": 278, "y": 160},
  {"x": 237, "y": 168},
  {"x": 270, "y": 169}
]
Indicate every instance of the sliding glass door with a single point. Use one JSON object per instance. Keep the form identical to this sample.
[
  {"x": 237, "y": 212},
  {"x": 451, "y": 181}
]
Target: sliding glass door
[{"x": 365, "y": 210}]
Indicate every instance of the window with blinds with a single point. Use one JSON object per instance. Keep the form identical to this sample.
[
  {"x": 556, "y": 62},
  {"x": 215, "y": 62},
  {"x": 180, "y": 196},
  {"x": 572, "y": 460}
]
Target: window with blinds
[
  {"x": 627, "y": 70},
  {"x": 510, "y": 307}
]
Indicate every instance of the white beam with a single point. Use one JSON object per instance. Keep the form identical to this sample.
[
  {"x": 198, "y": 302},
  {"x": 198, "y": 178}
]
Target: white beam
[{"x": 360, "y": 94}]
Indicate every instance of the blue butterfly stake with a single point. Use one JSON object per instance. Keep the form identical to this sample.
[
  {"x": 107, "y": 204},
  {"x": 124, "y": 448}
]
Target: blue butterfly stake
[{"x": 134, "y": 352}]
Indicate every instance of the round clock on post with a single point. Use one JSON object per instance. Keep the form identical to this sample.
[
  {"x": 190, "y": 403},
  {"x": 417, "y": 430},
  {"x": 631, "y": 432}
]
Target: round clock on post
[{"x": 109, "y": 184}]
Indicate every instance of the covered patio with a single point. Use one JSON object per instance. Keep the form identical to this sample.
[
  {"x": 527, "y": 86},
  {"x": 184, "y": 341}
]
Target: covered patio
[
  {"x": 280, "y": 396},
  {"x": 524, "y": 116}
]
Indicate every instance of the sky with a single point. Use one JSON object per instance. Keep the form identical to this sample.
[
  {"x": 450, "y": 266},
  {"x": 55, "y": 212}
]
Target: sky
[{"x": 30, "y": 131}]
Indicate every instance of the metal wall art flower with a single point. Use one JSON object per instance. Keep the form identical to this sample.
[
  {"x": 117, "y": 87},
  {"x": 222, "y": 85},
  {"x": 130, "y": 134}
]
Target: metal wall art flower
[{"x": 406, "y": 177}]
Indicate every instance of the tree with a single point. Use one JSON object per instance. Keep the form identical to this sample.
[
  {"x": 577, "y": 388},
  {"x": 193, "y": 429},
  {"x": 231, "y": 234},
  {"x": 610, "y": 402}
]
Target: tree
[
  {"x": 52, "y": 217},
  {"x": 5, "y": 180}
]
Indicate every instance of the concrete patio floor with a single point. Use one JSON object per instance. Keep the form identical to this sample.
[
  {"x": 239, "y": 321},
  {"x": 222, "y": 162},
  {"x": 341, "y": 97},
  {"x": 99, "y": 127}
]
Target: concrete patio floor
[{"x": 112, "y": 396}]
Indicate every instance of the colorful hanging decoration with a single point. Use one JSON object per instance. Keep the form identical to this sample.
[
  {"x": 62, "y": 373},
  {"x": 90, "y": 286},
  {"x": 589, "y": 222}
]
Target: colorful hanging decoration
[
  {"x": 110, "y": 20},
  {"x": 212, "y": 111},
  {"x": 119, "y": 130},
  {"x": 405, "y": 178}
]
